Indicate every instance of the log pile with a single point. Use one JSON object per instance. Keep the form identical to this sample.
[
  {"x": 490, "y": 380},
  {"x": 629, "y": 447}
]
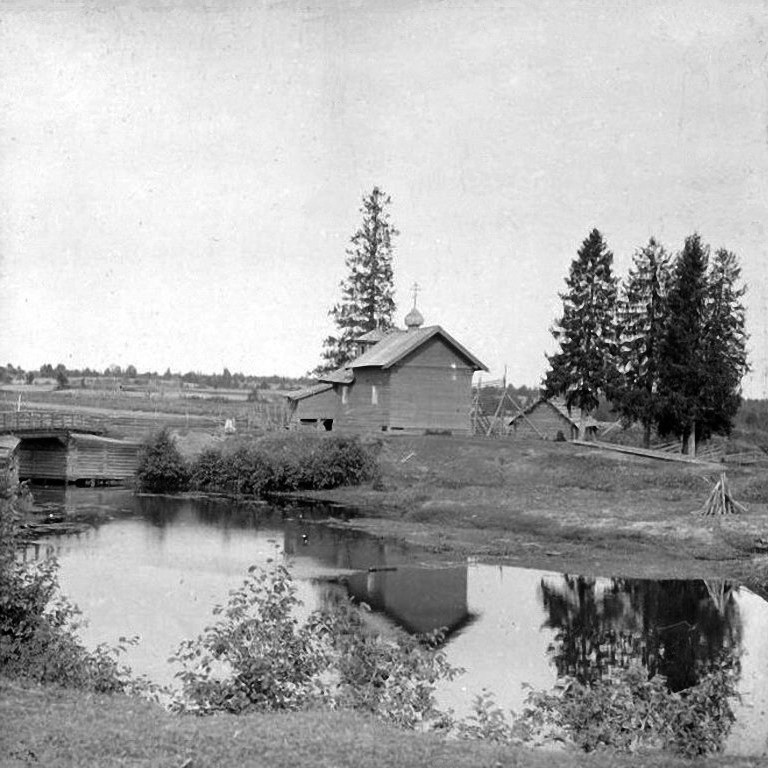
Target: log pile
[{"x": 721, "y": 501}]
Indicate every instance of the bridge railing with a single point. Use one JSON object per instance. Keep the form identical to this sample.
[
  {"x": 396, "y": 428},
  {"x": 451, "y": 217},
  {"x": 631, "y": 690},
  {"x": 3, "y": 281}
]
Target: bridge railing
[{"x": 34, "y": 421}]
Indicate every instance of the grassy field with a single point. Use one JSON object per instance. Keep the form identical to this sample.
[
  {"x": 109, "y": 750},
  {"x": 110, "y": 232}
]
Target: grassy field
[
  {"x": 563, "y": 507},
  {"x": 57, "y": 728}
]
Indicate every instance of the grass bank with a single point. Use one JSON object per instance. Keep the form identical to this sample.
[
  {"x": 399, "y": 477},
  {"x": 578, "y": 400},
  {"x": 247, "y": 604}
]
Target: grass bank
[
  {"x": 56, "y": 727},
  {"x": 560, "y": 506}
]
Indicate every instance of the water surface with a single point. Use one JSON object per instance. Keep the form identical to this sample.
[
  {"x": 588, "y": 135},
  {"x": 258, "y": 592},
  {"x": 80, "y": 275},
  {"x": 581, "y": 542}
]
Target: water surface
[{"x": 159, "y": 566}]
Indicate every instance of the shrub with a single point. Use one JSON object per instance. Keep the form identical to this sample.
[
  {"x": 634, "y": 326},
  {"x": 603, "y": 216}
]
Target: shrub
[
  {"x": 258, "y": 656},
  {"x": 487, "y": 722},
  {"x": 292, "y": 463},
  {"x": 628, "y": 710},
  {"x": 161, "y": 467},
  {"x": 38, "y": 627}
]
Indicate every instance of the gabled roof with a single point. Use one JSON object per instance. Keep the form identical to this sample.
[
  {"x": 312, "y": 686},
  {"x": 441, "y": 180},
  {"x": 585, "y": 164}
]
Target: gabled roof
[
  {"x": 558, "y": 404},
  {"x": 315, "y": 389},
  {"x": 397, "y": 344}
]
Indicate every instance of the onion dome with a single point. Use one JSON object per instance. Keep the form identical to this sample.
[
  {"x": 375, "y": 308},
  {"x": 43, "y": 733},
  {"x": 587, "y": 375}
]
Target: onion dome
[{"x": 414, "y": 319}]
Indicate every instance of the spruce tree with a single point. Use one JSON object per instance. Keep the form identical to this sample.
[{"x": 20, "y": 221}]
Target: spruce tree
[
  {"x": 585, "y": 366},
  {"x": 682, "y": 373},
  {"x": 642, "y": 323},
  {"x": 724, "y": 345},
  {"x": 367, "y": 301}
]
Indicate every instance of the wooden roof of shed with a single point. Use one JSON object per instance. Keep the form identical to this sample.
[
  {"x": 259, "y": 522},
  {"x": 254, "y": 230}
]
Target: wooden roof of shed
[
  {"x": 557, "y": 404},
  {"x": 301, "y": 394},
  {"x": 86, "y": 437}
]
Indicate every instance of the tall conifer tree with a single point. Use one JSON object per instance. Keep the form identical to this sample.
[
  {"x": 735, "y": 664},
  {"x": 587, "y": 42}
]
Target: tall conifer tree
[
  {"x": 704, "y": 352},
  {"x": 367, "y": 301},
  {"x": 724, "y": 346},
  {"x": 642, "y": 324},
  {"x": 682, "y": 373},
  {"x": 585, "y": 366}
]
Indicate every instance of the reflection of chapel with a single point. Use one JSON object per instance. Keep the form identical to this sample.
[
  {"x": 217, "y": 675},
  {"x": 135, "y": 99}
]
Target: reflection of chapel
[{"x": 414, "y": 380}]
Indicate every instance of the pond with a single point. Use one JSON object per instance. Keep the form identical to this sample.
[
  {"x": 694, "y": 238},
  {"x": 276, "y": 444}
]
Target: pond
[{"x": 159, "y": 565}]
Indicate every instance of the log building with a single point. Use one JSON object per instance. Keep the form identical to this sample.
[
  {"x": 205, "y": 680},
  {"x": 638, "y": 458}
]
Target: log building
[
  {"x": 77, "y": 458},
  {"x": 549, "y": 419},
  {"x": 417, "y": 380}
]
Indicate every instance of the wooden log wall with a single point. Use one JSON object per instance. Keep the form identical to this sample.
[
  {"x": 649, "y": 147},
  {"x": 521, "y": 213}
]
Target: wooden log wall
[
  {"x": 44, "y": 459},
  {"x": 547, "y": 420},
  {"x": 431, "y": 390},
  {"x": 101, "y": 459},
  {"x": 360, "y": 414},
  {"x": 79, "y": 458},
  {"x": 324, "y": 405}
]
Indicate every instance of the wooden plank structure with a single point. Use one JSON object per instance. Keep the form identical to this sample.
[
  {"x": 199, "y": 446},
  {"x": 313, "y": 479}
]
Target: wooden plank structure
[
  {"x": 414, "y": 381},
  {"x": 720, "y": 500},
  {"x": 53, "y": 422},
  {"x": 549, "y": 419},
  {"x": 77, "y": 458},
  {"x": 9, "y": 461}
]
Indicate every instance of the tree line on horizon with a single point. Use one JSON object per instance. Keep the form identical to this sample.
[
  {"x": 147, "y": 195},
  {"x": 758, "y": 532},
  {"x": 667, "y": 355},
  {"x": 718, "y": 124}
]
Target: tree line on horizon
[
  {"x": 68, "y": 377},
  {"x": 666, "y": 346}
]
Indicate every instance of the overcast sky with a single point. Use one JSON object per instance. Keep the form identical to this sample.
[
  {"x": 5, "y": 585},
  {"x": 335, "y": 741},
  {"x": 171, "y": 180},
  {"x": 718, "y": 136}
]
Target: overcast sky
[{"x": 178, "y": 181}]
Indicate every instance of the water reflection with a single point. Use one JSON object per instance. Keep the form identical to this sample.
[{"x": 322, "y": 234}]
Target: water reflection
[
  {"x": 161, "y": 564},
  {"x": 679, "y": 629}
]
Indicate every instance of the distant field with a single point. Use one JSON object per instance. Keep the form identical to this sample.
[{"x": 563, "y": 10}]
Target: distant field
[{"x": 135, "y": 413}]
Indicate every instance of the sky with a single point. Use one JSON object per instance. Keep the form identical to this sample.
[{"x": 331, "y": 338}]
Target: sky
[{"x": 179, "y": 180}]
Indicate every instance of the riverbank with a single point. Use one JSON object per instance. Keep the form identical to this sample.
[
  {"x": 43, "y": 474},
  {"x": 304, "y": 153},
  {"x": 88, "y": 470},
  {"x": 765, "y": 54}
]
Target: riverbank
[
  {"x": 56, "y": 727},
  {"x": 561, "y": 507},
  {"x": 552, "y": 506}
]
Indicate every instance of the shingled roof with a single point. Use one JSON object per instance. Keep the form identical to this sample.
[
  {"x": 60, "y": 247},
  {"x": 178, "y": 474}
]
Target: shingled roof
[
  {"x": 558, "y": 403},
  {"x": 393, "y": 347},
  {"x": 397, "y": 344},
  {"x": 315, "y": 389}
]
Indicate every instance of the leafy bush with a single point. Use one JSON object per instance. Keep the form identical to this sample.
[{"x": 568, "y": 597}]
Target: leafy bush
[
  {"x": 487, "y": 722},
  {"x": 38, "y": 627},
  {"x": 393, "y": 679},
  {"x": 258, "y": 656},
  {"x": 161, "y": 467},
  {"x": 627, "y": 710},
  {"x": 283, "y": 464}
]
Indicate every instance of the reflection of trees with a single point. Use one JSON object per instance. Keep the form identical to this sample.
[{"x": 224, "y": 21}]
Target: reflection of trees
[{"x": 679, "y": 629}]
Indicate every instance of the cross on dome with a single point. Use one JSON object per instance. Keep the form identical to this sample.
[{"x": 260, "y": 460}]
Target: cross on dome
[{"x": 414, "y": 318}]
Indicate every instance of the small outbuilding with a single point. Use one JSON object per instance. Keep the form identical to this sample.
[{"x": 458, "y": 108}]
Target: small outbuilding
[
  {"x": 550, "y": 419},
  {"x": 77, "y": 457},
  {"x": 417, "y": 380}
]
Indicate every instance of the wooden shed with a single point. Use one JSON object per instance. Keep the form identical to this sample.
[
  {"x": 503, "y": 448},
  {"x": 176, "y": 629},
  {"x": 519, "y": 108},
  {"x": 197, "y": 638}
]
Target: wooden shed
[
  {"x": 549, "y": 419},
  {"x": 77, "y": 457},
  {"x": 417, "y": 380}
]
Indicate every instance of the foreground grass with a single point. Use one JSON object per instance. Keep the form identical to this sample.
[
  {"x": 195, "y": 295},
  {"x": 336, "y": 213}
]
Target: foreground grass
[{"x": 50, "y": 726}]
